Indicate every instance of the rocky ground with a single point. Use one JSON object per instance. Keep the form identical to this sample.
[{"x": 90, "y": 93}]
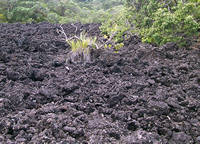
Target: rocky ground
[{"x": 141, "y": 95}]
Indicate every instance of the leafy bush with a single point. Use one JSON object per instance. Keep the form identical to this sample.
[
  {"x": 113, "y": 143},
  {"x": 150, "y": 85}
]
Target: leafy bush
[
  {"x": 116, "y": 24},
  {"x": 160, "y": 22},
  {"x": 115, "y": 28},
  {"x": 2, "y": 18}
]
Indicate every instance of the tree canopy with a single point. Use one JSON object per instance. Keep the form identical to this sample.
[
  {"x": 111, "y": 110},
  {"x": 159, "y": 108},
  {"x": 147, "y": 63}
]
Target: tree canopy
[{"x": 55, "y": 11}]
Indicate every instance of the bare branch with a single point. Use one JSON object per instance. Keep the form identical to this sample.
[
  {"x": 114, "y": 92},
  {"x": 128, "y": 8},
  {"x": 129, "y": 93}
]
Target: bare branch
[
  {"x": 62, "y": 31},
  {"x": 75, "y": 27}
]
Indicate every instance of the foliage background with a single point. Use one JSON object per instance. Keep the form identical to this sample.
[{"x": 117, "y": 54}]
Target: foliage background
[
  {"x": 155, "y": 21},
  {"x": 55, "y": 11}
]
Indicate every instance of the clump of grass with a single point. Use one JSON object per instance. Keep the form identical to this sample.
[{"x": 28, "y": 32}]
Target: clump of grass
[{"x": 81, "y": 47}]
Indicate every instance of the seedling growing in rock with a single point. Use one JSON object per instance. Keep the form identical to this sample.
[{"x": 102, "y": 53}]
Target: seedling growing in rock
[
  {"x": 83, "y": 45},
  {"x": 80, "y": 47}
]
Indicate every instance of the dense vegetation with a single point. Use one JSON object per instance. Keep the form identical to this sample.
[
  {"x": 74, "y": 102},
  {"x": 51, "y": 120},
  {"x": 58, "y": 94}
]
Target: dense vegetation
[
  {"x": 155, "y": 21},
  {"x": 165, "y": 21},
  {"x": 55, "y": 11}
]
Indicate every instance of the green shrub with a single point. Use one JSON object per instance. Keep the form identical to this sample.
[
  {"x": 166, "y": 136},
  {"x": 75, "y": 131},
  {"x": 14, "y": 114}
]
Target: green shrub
[
  {"x": 159, "y": 22},
  {"x": 116, "y": 24},
  {"x": 2, "y": 18},
  {"x": 115, "y": 28}
]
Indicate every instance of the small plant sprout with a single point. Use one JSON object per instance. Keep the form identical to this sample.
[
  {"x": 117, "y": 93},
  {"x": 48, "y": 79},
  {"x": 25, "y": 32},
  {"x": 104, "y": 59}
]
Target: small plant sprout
[{"x": 81, "y": 47}]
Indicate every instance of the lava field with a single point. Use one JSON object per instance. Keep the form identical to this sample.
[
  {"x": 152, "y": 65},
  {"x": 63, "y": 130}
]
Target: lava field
[{"x": 141, "y": 95}]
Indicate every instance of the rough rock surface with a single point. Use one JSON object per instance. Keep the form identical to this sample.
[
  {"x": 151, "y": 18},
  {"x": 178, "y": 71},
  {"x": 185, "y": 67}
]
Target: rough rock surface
[{"x": 141, "y": 95}]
